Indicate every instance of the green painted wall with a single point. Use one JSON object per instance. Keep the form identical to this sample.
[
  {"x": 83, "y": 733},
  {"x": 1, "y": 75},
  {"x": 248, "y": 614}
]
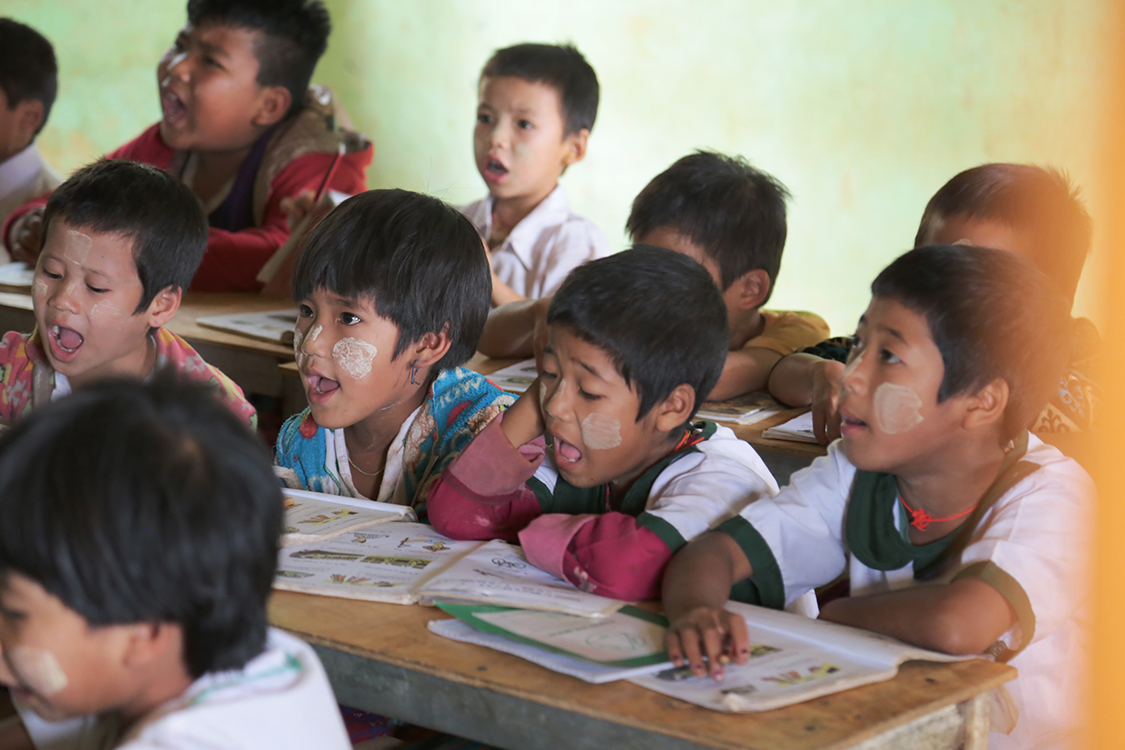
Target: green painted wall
[{"x": 863, "y": 108}]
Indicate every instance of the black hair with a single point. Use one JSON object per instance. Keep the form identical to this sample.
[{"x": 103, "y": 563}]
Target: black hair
[
  {"x": 151, "y": 207},
  {"x": 656, "y": 313},
  {"x": 560, "y": 66},
  {"x": 28, "y": 69},
  {"x": 142, "y": 502},
  {"x": 732, "y": 211},
  {"x": 1040, "y": 203},
  {"x": 419, "y": 259},
  {"x": 992, "y": 314},
  {"x": 294, "y": 36}
]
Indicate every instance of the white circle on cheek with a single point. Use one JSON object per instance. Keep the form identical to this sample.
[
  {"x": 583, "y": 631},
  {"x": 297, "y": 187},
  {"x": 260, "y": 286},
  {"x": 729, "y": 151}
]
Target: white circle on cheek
[
  {"x": 897, "y": 408},
  {"x": 39, "y": 668},
  {"x": 354, "y": 356},
  {"x": 601, "y": 431}
]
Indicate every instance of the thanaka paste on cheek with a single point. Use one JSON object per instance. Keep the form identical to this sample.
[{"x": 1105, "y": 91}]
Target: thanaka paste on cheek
[
  {"x": 298, "y": 342},
  {"x": 522, "y": 152},
  {"x": 601, "y": 431},
  {"x": 38, "y": 669},
  {"x": 897, "y": 408},
  {"x": 38, "y": 289},
  {"x": 354, "y": 356}
]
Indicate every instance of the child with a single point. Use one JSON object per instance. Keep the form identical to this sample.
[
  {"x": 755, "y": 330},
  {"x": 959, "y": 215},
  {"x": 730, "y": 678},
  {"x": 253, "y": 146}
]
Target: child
[
  {"x": 961, "y": 533},
  {"x": 393, "y": 290},
  {"x": 242, "y": 128},
  {"x": 122, "y": 241},
  {"x": 597, "y": 468},
  {"x": 537, "y": 107},
  {"x": 730, "y": 217},
  {"x": 139, "y": 525},
  {"x": 28, "y": 82},
  {"x": 1027, "y": 210}
]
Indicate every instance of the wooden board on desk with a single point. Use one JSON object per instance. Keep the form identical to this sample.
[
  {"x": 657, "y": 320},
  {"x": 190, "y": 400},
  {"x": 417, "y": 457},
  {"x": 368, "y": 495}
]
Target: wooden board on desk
[{"x": 371, "y": 637}]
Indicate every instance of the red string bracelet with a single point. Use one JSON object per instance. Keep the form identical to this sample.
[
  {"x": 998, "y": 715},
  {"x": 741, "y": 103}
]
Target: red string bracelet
[{"x": 920, "y": 519}]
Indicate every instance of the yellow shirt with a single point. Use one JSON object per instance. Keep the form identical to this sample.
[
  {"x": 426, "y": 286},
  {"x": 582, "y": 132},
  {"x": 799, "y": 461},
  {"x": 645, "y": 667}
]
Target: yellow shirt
[{"x": 786, "y": 331}]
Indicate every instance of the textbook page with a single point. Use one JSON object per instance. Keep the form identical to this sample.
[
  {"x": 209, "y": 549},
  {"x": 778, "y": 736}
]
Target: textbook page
[
  {"x": 798, "y": 429},
  {"x": 792, "y": 659},
  {"x": 515, "y": 378},
  {"x": 16, "y": 275},
  {"x": 381, "y": 563},
  {"x": 316, "y": 516},
  {"x": 744, "y": 409},
  {"x": 499, "y": 573},
  {"x": 275, "y": 326}
]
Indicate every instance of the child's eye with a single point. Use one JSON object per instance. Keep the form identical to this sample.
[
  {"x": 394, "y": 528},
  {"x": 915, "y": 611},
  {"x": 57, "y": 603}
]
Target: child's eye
[
  {"x": 304, "y": 311},
  {"x": 96, "y": 290},
  {"x": 525, "y": 124},
  {"x": 586, "y": 396},
  {"x": 483, "y": 119},
  {"x": 888, "y": 356},
  {"x": 350, "y": 319},
  {"x": 546, "y": 375},
  {"x": 212, "y": 62},
  {"x": 51, "y": 275}
]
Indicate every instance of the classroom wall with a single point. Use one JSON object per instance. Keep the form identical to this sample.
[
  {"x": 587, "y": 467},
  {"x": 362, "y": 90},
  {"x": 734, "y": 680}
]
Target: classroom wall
[{"x": 863, "y": 108}]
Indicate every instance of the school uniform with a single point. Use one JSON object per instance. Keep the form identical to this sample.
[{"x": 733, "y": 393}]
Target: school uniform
[
  {"x": 786, "y": 331},
  {"x": 23, "y": 177},
  {"x": 544, "y": 247},
  {"x": 1029, "y": 539},
  {"x": 496, "y": 491}
]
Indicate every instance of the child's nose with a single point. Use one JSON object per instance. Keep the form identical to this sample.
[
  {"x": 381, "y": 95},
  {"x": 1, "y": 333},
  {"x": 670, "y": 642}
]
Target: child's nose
[
  {"x": 314, "y": 341},
  {"x": 556, "y": 403},
  {"x": 177, "y": 66},
  {"x": 65, "y": 297}
]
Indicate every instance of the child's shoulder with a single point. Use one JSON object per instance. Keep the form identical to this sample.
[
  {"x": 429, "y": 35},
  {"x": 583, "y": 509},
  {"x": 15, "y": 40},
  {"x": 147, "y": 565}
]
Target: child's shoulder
[
  {"x": 313, "y": 130},
  {"x": 173, "y": 351},
  {"x": 1051, "y": 478},
  {"x": 720, "y": 459},
  {"x": 787, "y": 331}
]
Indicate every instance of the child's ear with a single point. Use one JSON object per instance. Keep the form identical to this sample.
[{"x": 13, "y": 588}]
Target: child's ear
[
  {"x": 163, "y": 306},
  {"x": 574, "y": 147},
  {"x": 145, "y": 645},
  {"x": 273, "y": 105},
  {"x": 431, "y": 348},
  {"x": 30, "y": 116},
  {"x": 676, "y": 409},
  {"x": 987, "y": 406},
  {"x": 752, "y": 288}
]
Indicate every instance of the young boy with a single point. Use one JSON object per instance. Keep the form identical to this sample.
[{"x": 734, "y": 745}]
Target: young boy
[
  {"x": 1027, "y": 210},
  {"x": 537, "y": 107},
  {"x": 393, "y": 290},
  {"x": 28, "y": 82},
  {"x": 960, "y": 532},
  {"x": 122, "y": 241},
  {"x": 138, "y": 541},
  {"x": 730, "y": 217},
  {"x": 242, "y": 129},
  {"x": 597, "y": 468}
]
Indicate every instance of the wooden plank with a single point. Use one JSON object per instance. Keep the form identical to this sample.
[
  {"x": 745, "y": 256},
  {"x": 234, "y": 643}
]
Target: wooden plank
[{"x": 389, "y": 636}]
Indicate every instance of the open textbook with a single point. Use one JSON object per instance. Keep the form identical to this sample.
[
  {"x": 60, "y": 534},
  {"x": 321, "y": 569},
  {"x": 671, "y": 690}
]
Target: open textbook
[
  {"x": 404, "y": 563},
  {"x": 792, "y": 658},
  {"x": 16, "y": 275},
  {"x": 798, "y": 429},
  {"x": 275, "y": 326},
  {"x": 315, "y": 516},
  {"x": 745, "y": 409},
  {"x": 515, "y": 378}
]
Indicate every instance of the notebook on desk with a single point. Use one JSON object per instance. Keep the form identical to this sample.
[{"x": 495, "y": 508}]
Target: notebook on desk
[
  {"x": 799, "y": 430},
  {"x": 275, "y": 326}
]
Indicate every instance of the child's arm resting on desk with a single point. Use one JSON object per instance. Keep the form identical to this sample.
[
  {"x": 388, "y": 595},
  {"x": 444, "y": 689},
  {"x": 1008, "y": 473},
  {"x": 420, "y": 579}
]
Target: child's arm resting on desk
[
  {"x": 483, "y": 494},
  {"x": 746, "y": 370}
]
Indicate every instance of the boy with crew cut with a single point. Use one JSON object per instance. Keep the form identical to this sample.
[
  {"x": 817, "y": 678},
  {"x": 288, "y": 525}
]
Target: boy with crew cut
[
  {"x": 139, "y": 526},
  {"x": 597, "y": 469},
  {"x": 729, "y": 216},
  {"x": 1031, "y": 211},
  {"x": 242, "y": 128},
  {"x": 121, "y": 242},
  {"x": 537, "y": 107},
  {"x": 960, "y": 532},
  {"x": 28, "y": 83}
]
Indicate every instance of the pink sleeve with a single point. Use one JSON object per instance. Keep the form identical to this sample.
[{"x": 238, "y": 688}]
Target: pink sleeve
[
  {"x": 483, "y": 494},
  {"x": 608, "y": 554}
]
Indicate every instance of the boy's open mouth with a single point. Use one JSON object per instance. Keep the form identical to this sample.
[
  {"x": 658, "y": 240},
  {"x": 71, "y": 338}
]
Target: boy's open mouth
[
  {"x": 565, "y": 452},
  {"x": 66, "y": 339},
  {"x": 172, "y": 108},
  {"x": 495, "y": 168},
  {"x": 322, "y": 386}
]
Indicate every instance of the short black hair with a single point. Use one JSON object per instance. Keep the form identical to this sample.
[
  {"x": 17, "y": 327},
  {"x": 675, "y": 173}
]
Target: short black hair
[
  {"x": 146, "y": 502},
  {"x": 656, "y": 313},
  {"x": 295, "y": 35},
  {"x": 732, "y": 211},
  {"x": 560, "y": 66},
  {"x": 154, "y": 209},
  {"x": 992, "y": 314},
  {"x": 1040, "y": 203},
  {"x": 420, "y": 259},
  {"x": 28, "y": 69}
]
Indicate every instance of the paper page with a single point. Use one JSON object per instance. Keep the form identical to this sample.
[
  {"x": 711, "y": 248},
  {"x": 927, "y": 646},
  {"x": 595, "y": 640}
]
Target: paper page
[
  {"x": 515, "y": 378},
  {"x": 498, "y": 573},
  {"x": 741, "y": 408},
  {"x": 798, "y": 429},
  {"x": 276, "y": 326},
  {"x": 627, "y": 638},
  {"x": 17, "y": 274},
  {"x": 380, "y": 563},
  {"x": 593, "y": 673},
  {"x": 315, "y": 516}
]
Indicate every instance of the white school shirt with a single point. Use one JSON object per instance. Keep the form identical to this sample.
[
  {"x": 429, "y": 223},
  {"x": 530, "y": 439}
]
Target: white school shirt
[
  {"x": 281, "y": 700},
  {"x": 544, "y": 247},
  {"x": 1038, "y": 533},
  {"x": 23, "y": 177},
  {"x": 392, "y": 488}
]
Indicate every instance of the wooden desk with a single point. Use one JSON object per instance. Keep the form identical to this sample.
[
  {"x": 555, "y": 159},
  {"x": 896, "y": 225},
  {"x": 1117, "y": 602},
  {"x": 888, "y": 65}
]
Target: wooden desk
[
  {"x": 251, "y": 363},
  {"x": 381, "y": 658}
]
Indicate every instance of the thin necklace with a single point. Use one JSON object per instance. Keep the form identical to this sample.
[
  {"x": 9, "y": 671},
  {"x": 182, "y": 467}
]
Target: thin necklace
[
  {"x": 361, "y": 471},
  {"x": 920, "y": 519}
]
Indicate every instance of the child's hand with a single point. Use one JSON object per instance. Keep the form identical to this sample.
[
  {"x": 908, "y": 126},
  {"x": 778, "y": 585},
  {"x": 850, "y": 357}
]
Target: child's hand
[
  {"x": 708, "y": 632},
  {"x": 828, "y": 376},
  {"x": 523, "y": 421},
  {"x": 298, "y": 207},
  {"x": 24, "y": 237}
]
